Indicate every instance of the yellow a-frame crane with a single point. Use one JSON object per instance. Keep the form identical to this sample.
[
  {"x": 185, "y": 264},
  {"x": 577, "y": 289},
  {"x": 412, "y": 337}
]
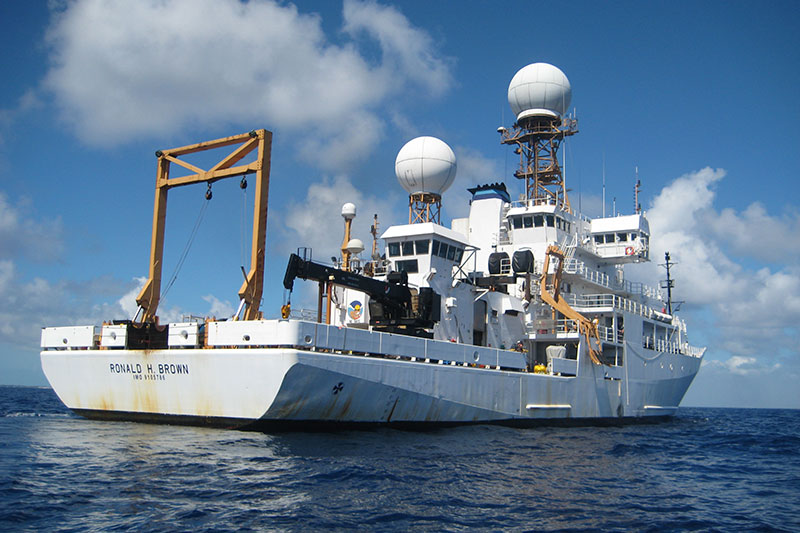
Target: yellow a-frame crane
[{"x": 252, "y": 288}]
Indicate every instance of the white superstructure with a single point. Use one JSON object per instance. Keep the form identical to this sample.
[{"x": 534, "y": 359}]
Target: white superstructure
[{"x": 519, "y": 313}]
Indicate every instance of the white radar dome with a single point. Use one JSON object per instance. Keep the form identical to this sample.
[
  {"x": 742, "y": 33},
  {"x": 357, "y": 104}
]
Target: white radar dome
[
  {"x": 425, "y": 164},
  {"x": 540, "y": 89},
  {"x": 349, "y": 211},
  {"x": 355, "y": 246}
]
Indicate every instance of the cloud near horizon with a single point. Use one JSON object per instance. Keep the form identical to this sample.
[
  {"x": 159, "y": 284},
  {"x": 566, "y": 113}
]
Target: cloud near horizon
[
  {"x": 126, "y": 70},
  {"x": 722, "y": 268}
]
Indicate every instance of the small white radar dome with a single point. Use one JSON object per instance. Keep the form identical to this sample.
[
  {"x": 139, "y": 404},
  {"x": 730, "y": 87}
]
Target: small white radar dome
[
  {"x": 355, "y": 246},
  {"x": 425, "y": 164},
  {"x": 349, "y": 211},
  {"x": 540, "y": 89}
]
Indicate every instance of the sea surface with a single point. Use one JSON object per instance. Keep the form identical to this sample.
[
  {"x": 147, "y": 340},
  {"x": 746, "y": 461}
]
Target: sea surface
[{"x": 706, "y": 469}]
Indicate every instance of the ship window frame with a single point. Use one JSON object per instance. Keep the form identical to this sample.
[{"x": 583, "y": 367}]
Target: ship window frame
[
  {"x": 451, "y": 253},
  {"x": 443, "y": 250},
  {"x": 622, "y": 236},
  {"x": 538, "y": 221},
  {"x": 407, "y": 248},
  {"x": 516, "y": 222},
  {"x": 459, "y": 254},
  {"x": 599, "y": 239},
  {"x": 393, "y": 249},
  {"x": 527, "y": 222},
  {"x": 411, "y": 266},
  {"x": 422, "y": 246},
  {"x": 435, "y": 248},
  {"x": 550, "y": 221}
]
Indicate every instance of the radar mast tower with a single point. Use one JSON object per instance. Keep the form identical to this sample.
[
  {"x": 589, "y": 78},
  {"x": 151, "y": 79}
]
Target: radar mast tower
[{"x": 539, "y": 95}]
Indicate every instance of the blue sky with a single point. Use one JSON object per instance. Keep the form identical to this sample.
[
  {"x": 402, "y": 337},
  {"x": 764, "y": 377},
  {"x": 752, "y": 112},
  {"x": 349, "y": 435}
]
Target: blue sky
[{"x": 701, "y": 96}]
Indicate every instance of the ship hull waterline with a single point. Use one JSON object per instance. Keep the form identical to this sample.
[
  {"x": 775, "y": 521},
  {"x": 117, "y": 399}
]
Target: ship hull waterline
[{"x": 264, "y": 388}]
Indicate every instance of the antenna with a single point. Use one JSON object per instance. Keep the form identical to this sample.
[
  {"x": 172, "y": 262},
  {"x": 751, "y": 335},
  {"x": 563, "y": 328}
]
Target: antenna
[
  {"x": 669, "y": 283},
  {"x": 604, "y": 184},
  {"x": 374, "y": 231},
  {"x": 348, "y": 213},
  {"x": 637, "y": 207}
]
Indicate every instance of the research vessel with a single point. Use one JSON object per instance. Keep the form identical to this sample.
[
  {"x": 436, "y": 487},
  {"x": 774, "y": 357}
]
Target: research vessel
[{"x": 524, "y": 312}]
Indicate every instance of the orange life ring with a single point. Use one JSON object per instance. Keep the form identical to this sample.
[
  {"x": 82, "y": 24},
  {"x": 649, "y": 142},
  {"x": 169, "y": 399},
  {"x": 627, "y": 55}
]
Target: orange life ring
[{"x": 629, "y": 250}]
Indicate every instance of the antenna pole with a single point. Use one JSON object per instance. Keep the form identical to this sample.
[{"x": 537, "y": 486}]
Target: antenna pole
[
  {"x": 669, "y": 282},
  {"x": 604, "y": 184}
]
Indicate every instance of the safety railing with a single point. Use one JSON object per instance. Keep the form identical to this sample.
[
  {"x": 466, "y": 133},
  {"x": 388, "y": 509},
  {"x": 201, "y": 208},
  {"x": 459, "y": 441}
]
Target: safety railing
[
  {"x": 552, "y": 327},
  {"x": 609, "y": 334},
  {"x": 577, "y": 267}
]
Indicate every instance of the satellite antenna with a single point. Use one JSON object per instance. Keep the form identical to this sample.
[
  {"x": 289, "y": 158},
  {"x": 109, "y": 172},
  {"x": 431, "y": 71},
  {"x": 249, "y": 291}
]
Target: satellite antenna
[
  {"x": 348, "y": 214},
  {"x": 425, "y": 167},
  {"x": 539, "y": 95}
]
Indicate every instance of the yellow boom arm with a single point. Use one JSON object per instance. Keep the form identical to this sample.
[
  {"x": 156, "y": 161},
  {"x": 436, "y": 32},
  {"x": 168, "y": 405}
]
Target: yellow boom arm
[{"x": 557, "y": 302}]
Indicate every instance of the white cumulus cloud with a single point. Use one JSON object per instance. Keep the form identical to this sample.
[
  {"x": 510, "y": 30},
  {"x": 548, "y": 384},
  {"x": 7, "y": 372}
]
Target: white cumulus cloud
[
  {"x": 754, "y": 307},
  {"x": 316, "y": 221},
  {"x": 123, "y": 70}
]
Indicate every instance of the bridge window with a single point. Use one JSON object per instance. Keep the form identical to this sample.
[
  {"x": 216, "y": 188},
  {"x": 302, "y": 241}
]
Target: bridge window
[
  {"x": 394, "y": 249},
  {"x": 622, "y": 237},
  {"x": 435, "y": 248},
  {"x": 517, "y": 222},
  {"x": 459, "y": 254},
  {"x": 528, "y": 222},
  {"x": 551, "y": 223},
  {"x": 538, "y": 221},
  {"x": 408, "y": 248},
  {"x": 443, "y": 250},
  {"x": 598, "y": 239},
  {"x": 409, "y": 265},
  {"x": 451, "y": 253},
  {"x": 421, "y": 247}
]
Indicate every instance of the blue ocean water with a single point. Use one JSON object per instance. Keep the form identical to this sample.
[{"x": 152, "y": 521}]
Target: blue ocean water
[{"x": 707, "y": 469}]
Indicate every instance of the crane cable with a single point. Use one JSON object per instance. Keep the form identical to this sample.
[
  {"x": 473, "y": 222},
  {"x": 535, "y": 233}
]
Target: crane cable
[{"x": 188, "y": 245}]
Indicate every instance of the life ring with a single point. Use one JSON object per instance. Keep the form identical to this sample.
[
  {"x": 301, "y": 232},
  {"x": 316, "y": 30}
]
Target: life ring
[{"x": 629, "y": 250}]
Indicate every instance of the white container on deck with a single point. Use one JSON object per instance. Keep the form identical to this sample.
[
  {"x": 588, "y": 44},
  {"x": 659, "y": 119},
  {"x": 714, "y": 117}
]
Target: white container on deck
[{"x": 114, "y": 336}]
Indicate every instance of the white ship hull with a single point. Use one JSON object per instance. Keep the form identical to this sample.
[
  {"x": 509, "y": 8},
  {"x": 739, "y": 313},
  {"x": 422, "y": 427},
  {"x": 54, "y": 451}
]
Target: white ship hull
[{"x": 262, "y": 386}]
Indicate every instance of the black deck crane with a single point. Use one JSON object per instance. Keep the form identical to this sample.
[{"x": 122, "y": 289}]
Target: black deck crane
[{"x": 392, "y": 306}]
